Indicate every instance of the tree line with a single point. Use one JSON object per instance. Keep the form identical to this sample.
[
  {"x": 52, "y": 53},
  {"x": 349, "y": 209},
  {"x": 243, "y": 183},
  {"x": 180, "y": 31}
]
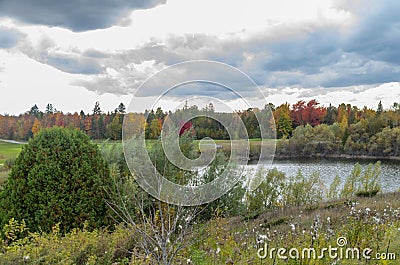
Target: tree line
[
  {"x": 345, "y": 127},
  {"x": 345, "y": 130},
  {"x": 98, "y": 125}
]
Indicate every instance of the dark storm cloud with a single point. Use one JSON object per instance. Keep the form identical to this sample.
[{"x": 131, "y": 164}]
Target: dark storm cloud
[
  {"x": 317, "y": 57},
  {"x": 306, "y": 54},
  {"x": 76, "y": 15},
  {"x": 324, "y": 57},
  {"x": 378, "y": 35},
  {"x": 9, "y": 37}
]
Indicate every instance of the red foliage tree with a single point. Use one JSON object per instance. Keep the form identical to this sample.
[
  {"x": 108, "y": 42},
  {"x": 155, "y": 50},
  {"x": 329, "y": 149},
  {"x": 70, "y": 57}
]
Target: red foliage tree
[
  {"x": 188, "y": 126},
  {"x": 309, "y": 113}
]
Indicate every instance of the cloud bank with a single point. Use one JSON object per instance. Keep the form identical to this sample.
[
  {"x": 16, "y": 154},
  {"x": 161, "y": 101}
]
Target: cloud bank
[
  {"x": 356, "y": 50},
  {"x": 73, "y": 14}
]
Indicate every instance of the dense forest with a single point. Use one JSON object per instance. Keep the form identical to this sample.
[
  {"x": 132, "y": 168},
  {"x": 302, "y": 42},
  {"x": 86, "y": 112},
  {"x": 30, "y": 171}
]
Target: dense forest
[{"x": 307, "y": 128}]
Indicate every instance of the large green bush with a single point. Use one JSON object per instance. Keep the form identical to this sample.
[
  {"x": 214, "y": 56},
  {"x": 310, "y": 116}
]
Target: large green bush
[{"x": 59, "y": 177}]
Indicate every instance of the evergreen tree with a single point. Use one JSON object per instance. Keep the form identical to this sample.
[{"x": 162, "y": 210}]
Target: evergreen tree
[
  {"x": 59, "y": 177},
  {"x": 121, "y": 108},
  {"x": 34, "y": 111},
  {"x": 379, "y": 110},
  {"x": 96, "y": 109},
  {"x": 49, "y": 109}
]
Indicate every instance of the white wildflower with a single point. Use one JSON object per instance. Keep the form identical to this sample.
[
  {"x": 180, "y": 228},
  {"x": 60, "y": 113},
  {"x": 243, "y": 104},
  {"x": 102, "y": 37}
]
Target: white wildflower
[
  {"x": 218, "y": 251},
  {"x": 376, "y": 219}
]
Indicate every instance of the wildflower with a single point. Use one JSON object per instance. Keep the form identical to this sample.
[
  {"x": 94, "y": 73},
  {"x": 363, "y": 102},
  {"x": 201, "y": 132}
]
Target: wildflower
[
  {"x": 26, "y": 258},
  {"x": 293, "y": 227},
  {"x": 261, "y": 239},
  {"x": 218, "y": 251}
]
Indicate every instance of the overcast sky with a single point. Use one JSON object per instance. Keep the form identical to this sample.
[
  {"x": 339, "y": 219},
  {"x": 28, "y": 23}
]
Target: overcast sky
[{"x": 73, "y": 53}]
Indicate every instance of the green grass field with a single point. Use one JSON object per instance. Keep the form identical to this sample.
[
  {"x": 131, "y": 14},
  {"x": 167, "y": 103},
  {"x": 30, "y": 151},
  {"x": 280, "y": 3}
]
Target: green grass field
[{"x": 8, "y": 150}]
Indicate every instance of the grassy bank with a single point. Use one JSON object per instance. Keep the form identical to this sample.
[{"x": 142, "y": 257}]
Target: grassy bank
[{"x": 363, "y": 222}]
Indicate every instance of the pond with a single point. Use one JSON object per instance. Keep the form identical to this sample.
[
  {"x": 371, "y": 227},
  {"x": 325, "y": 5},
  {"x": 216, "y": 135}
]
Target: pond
[{"x": 329, "y": 168}]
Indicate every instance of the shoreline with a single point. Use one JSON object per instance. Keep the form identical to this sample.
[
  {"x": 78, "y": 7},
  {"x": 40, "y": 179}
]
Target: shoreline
[{"x": 342, "y": 156}]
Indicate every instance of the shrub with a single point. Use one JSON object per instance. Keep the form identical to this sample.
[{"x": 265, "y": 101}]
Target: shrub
[
  {"x": 9, "y": 163},
  {"x": 58, "y": 178},
  {"x": 303, "y": 191},
  {"x": 363, "y": 184},
  {"x": 269, "y": 194}
]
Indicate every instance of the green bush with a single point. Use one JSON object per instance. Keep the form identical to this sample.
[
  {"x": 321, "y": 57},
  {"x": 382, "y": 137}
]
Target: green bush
[
  {"x": 269, "y": 194},
  {"x": 363, "y": 183},
  {"x": 59, "y": 177},
  {"x": 9, "y": 163},
  {"x": 304, "y": 191}
]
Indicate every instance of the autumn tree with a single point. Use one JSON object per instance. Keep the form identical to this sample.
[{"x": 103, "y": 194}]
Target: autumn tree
[
  {"x": 114, "y": 129},
  {"x": 283, "y": 121},
  {"x": 309, "y": 113},
  {"x": 314, "y": 114},
  {"x": 297, "y": 113},
  {"x": 36, "y": 126},
  {"x": 154, "y": 130}
]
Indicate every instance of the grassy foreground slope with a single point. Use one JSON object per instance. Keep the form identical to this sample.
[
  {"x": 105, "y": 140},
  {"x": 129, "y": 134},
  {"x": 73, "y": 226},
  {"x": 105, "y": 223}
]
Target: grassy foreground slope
[{"x": 363, "y": 222}]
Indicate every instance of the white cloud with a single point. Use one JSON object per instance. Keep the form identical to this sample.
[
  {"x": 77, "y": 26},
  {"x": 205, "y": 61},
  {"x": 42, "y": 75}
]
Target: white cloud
[
  {"x": 296, "y": 48},
  {"x": 41, "y": 84}
]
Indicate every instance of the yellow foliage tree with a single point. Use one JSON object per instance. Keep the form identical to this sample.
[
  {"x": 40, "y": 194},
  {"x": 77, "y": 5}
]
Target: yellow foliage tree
[{"x": 36, "y": 126}]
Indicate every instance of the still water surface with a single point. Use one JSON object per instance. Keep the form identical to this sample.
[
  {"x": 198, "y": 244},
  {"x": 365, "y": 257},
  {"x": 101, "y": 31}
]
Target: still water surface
[{"x": 329, "y": 168}]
